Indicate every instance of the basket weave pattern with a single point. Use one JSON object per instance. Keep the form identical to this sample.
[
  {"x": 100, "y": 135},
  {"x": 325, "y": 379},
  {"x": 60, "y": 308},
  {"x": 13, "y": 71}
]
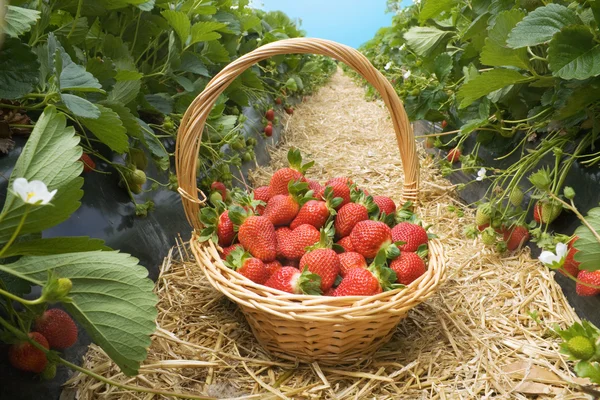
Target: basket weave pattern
[{"x": 330, "y": 330}]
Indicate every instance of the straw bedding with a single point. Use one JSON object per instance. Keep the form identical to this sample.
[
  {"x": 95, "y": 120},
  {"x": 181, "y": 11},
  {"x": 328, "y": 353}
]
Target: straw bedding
[{"x": 460, "y": 344}]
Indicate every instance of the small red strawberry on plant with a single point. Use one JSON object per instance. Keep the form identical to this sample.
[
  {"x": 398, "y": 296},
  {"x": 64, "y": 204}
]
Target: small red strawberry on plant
[
  {"x": 88, "y": 164},
  {"x": 252, "y": 268},
  {"x": 281, "y": 209},
  {"x": 454, "y": 155},
  {"x": 385, "y": 204},
  {"x": 589, "y": 284},
  {"x": 278, "y": 101},
  {"x": 351, "y": 260},
  {"x": 370, "y": 237},
  {"x": 316, "y": 212},
  {"x": 270, "y": 114},
  {"x": 255, "y": 233},
  {"x": 515, "y": 237},
  {"x": 322, "y": 260},
  {"x": 408, "y": 267},
  {"x": 429, "y": 142},
  {"x": 217, "y": 225},
  {"x": 268, "y": 130},
  {"x": 289, "y": 110},
  {"x": 444, "y": 124},
  {"x": 346, "y": 244},
  {"x": 220, "y": 188},
  {"x": 571, "y": 266},
  {"x": 297, "y": 241},
  {"x": 282, "y": 177},
  {"x": 26, "y": 357},
  {"x": 412, "y": 235},
  {"x": 291, "y": 280},
  {"x": 58, "y": 328}
]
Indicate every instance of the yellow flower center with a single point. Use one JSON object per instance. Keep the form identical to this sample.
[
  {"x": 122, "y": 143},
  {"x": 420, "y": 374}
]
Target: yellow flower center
[{"x": 30, "y": 195}]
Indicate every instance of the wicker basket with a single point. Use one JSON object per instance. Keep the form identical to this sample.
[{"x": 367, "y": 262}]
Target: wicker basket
[{"x": 330, "y": 330}]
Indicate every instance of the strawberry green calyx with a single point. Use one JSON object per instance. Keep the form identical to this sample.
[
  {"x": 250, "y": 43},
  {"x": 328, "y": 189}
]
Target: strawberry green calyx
[
  {"x": 405, "y": 213},
  {"x": 326, "y": 238},
  {"x": 247, "y": 200},
  {"x": 580, "y": 343},
  {"x": 359, "y": 197},
  {"x": 56, "y": 290},
  {"x": 295, "y": 159},
  {"x": 238, "y": 215},
  {"x": 541, "y": 179},
  {"x": 300, "y": 192},
  {"x": 235, "y": 259},
  {"x": 209, "y": 217},
  {"x": 386, "y": 276},
  {"x": 309, "y": 283},
  {"x": 331, "y": 202}
]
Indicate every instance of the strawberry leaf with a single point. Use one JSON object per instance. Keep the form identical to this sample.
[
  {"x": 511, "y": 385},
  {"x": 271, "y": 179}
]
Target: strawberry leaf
[
  {"x": 588, "y": 245},
  {"x": 310, "y": 283}
]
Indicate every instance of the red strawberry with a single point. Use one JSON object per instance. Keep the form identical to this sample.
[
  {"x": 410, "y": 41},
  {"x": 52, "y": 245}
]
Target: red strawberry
[
  {"x": 291, "y": 280},
  {"x": 341, "y": 188},
  {"x": 537, "y": 212},
  {"x": 219, "y": 187},
  {"x": 270, "y": 115},
  {"x": 591, "y": 278},
  {"x": 316, "y": 188},
  {"x": 358, "y": 282},
  {"x": 482, "y": 227},
  {"x": 444, "y": 124},
  {"x": 255, "y": 233},
  {"x": 351, "y": 260},
  {"x": 429, "y": 142},
  {"x": 252, "y": 268},
  {"x": 369, "y": 237},
  {"x": 385, "y": 204},
  {"x": 281, "y": 209},
  {"x": 278, "y": 100},
  {"x": 346, "y": 243},
  {"x": 272, "y": 267},
  {"x": 454, "y": 155},
  {"x": 227, "y": 250},
  {"x": 282, "y": 235},
  {"x": 262, "y": 193},
  {"x": 571, "y": 265},
  {"x": 88, "y": 164},
  {"x": 294, "y": 246},
  {"x": 289, "y": 110},
  {"x": 412, "y": 235},
  {"x": 58, "y": 328},
  {"x": 348, "y": 216},
  {"x": 281, "y": 178},
  {"x": 268, "y": 130},
  {"x": 323, "y": 262},
  {"x": 217, "y": 227},
  {"x": 408, "y": 267},
  {"x": 316, "y": 212},
  {"x": 515, "y": 237},
  {"x": 26, "y": 357}
]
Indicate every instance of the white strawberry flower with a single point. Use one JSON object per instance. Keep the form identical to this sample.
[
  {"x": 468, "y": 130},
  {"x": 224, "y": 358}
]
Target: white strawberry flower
[
  {"x": 552, "y": 260},
  {"x": 407, "y": 74},
  {"x": 402, "y": 47},
  {"x": 34, "y": 192},
  {"x": 481, "y": 174},
  {"x": 388, "y": 65}
]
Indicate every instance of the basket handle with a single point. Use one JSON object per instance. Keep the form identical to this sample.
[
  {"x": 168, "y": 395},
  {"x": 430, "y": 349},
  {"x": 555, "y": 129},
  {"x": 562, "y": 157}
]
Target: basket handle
[{"x": 192, "y": 123}]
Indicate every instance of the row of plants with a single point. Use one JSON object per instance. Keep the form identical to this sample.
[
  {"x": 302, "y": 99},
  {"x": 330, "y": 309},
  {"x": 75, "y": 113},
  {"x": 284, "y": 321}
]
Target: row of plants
[
  {"x": 518, "y": 79},
  {"x": 100, "y": 87}
]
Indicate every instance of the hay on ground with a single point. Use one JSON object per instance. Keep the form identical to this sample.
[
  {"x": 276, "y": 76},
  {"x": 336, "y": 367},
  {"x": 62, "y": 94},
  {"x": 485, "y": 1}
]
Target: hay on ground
[{"x": 462, "y": 343}]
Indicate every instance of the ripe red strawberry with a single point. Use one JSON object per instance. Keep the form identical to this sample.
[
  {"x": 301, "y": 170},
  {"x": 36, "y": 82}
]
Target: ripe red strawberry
[
  {"x": 429, "y": 142},
  {"x": 268, "y": 130},
  {"x": 219, "y": 187},
  {"x": 515, "y": 237},
  {"x": 217, "y": 225},
  {"x": 358, "y": 282},
  {"x": 281, "y": 209},
  {"x": 291, "y": 280},
  {"x": 294, "y": 246},
  {"x": 88, "y": 164},
  {"x": 58, "y": 328},
  {"x": 323, "y": 262},
  {"x": 316, "y": 212},
  {"x": 348, "y": 216},
  {"x": 282, "y": 235},
  {"x": 341, "y": 188},
  {"x": 346, "y": 243},
  {"x": 316, "y": 187},
  {"x": 272, "y": 267},
  {"x": 252, "y": 268},
  {"x": 282, "y": 177},
  {"x": 227, "y": 250},
  {"x": 444, "y": 124},
  {"x": 262, "y": 193},
  {"x": 408, "y": 267},
  {"x": 591, "y": 278},
  {"x": 369, "y": 237},
  {"x": 278, "y": 100},
  {"x": 571, "y": 265},
  {"x": 412, "y": 235},
  {"x": 270, "y": 114},
  {"x": 351, "y": 260},
  {"x": 255, "y": 233},
  {"x": 289, "y": 110},
  {"x": 537, "y": 212},
  {"x": 26, "y": 357},
  {"x": 454, "y": 155},
  {"x": 385, "y": 204}
]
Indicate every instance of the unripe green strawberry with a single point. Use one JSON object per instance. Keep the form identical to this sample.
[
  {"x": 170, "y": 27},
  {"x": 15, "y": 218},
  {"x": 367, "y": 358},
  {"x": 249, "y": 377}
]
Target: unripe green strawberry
[
  {"x": 49, "y": 372},
  {"x": 550, "y": 211},
  {"x": 482, "y": 215},
  {"x": 138, "y": 177},
  {"x": 581, "y": 347},
  {"x": 488, "y": 236},
  {"x": 516, "y": 197}
]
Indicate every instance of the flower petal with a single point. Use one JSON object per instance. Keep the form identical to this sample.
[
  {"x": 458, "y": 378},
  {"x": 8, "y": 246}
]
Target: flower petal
[{"x": 561, "y": 250}]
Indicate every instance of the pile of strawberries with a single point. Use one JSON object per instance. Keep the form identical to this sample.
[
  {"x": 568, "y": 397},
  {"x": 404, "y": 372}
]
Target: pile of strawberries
[
  {"x": 302, "y": 237},
  {"x": 53, "y": 329}
]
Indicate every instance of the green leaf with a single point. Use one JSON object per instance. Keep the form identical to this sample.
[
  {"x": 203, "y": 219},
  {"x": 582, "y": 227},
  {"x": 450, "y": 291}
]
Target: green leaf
[
  {"x": 478, "y": 26},
  {"x": 112, "y": 299},
  {"x": 574, "y": 54},
  {"x": 215, "y": 52},
  {"x": 80, "y": 106},
  {"x": 161, "y": 102},
  {"x": 579, "y": 99},
  {"x": 232, "y": 24},
  {"x": 154, "y": 144},
  {"x": 250, "y": 22},
  {"x": 79, "y": 33},
  {"x": 591, "y": 370},
  {"x": 425, "y": 39},
  {"x": 127, "y": 118},
  {"x": 125, "y": 91},
  {"x": 180, "y": 23},
  {"x": 19, "y": 20},
  {"x": 433, "y": 8},
  {"x": 495, "y": 51},
  {"x": 442, "y": 66},
  {"x": 540, "y": 25},
  {"x": 190, "y": 62},
  {"x": 587, "y": 244},
  {"x": 205, "y": 31},
  {"x": 109, "y": 129},
  {"x": 486, "y": 83},
  {"x": 50, "y": 155},
  {"x": 73, "y": 77},
  {"x": 19, "y": 69},
  {"x": 59, "y": 245}
]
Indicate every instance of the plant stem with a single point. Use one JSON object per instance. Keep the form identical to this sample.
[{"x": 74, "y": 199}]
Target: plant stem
[
  {"x": 11, "y": 296},
  {"x": 77, "y": 15},
  {"x": 16, "y": 232},
  {"x": 573, "y": 208}
]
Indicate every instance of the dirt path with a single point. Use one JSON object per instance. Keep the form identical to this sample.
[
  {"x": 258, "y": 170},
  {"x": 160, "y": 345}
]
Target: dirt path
[{"x": 454, "y": 346}]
